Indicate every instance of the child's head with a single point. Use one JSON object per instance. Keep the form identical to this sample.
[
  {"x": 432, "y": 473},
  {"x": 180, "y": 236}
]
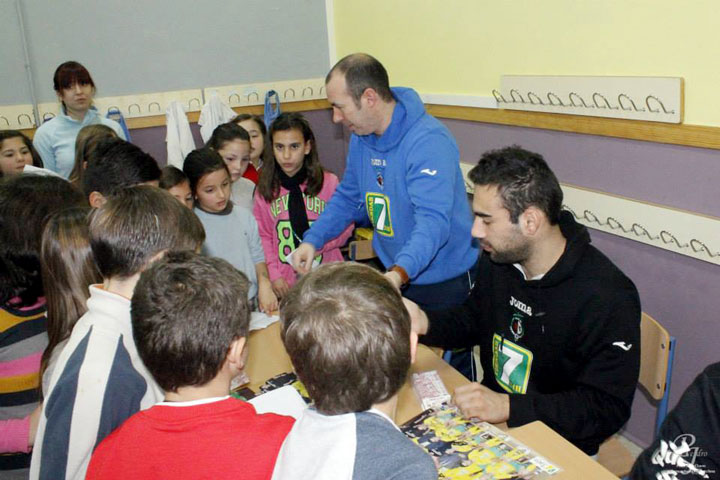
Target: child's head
[
  {"x": 136, "y": 225},
  {"x": 68, "y": 268},
  {"x": 190, "y": 314},
  {"x": 209, "y": 179},
  {"x": 255, "y": 126},
  {"x": 174, "y": 181},
  {"x": 16, "y": 151},
  {"x": 26, "y": 201},
  {"x": 293, "y": 146},
  {"x": 348, "y": 336},
  {"x": 114, "y": 165},
  {"x": 88, "y": 138},
  {"x": 233, "y": 144}
]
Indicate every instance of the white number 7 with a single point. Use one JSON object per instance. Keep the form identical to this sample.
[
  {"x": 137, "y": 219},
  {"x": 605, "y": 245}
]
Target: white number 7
[
  {"x": 514, "y": 359},
  {"x": 381, "y": 216}
]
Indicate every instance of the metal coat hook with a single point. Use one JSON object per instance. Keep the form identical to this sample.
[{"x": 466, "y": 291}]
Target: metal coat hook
[
  {"x": 576, "y": 95},
  {"x": 668, "y": 237},
  {"x": 257, "y": 96},
  {"x": 498, "y": 96},
  {"x": 532, "y": 98},
  {"x": 639, "y": 230},
  {"x": 607, "y": 104},
  {"x": 134, "y": 105},
  {"x": 634, "y": 107},
  {"x": 555, "y": 98},
  {"x": 234, "y": 95},
  {"x": 115, "y": 107},
  {"x": 190, "y": 102},
  {"x": 512, "y": 96},
  {"x": 306, "y": 88},
  {"x": 47, "y": 116},
  {"x": 6, "y": 120},
  {"x": 699, "y": 246},
  {"x": 154, "y": 103},
  {"x": 614, "y": 224},
  {"x": 647, "y": 102},
  {"x": 289, "y": 90},
  {"x": 26, "y": 116}
]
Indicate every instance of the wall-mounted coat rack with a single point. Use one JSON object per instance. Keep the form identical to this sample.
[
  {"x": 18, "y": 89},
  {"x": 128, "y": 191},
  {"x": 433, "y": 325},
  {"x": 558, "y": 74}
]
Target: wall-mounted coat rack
[{"x": 656, "y": 99}]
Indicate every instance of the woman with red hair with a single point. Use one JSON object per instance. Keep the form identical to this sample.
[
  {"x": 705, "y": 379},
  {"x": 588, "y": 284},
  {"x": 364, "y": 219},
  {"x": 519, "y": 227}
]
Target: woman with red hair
[{"x": 55, "y": 139}]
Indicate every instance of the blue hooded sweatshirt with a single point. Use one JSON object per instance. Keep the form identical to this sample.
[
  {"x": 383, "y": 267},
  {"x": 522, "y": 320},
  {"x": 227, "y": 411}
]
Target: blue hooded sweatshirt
[{"x": 408, "y": 183}]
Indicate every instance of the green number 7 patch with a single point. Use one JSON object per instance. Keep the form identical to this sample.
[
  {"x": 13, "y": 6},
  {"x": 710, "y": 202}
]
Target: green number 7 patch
[
  {"x": 378, "y": 209},
  {"x": 511, "y": 365}
]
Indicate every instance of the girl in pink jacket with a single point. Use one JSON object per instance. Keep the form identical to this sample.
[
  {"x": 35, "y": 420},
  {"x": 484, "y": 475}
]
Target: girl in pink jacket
[{"x": 291, "y": 193}]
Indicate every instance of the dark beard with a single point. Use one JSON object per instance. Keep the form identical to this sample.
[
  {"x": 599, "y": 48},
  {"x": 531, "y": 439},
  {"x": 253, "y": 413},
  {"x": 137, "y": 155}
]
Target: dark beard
[{"x": 515, "y": 255}]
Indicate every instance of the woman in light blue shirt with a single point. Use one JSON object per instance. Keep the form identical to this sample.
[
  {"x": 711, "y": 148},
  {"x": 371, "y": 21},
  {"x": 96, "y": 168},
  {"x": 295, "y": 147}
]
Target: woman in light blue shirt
[{"x": 55, "y": 139}]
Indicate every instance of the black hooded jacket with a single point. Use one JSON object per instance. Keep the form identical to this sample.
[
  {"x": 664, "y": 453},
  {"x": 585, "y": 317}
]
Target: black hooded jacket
[{"x": 567, "y": 346}]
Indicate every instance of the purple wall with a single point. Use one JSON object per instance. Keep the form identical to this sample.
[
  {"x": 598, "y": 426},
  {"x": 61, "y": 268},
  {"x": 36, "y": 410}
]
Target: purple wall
[{"x": 679, "y": 291}]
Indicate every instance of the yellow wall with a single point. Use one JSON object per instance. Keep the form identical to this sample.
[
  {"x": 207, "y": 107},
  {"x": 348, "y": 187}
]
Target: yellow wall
[{"x": 463, "y": 46}]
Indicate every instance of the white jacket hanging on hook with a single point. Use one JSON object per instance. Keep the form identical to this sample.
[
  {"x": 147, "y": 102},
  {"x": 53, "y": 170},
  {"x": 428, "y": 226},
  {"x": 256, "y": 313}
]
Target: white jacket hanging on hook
[
  {"x": 179, "y": 137},
  {"x": 215, "y": 112}
]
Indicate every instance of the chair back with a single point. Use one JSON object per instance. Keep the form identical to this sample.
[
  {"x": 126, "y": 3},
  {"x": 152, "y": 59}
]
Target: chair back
[
  {"x": 657, "y": 351},
  {"x": 654, "y": 356}
]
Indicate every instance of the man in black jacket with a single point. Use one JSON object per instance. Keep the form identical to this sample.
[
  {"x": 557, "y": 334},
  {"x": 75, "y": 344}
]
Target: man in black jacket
[
  {"x": 687, "y": 445},
  {"x": 557, "y": 322}
]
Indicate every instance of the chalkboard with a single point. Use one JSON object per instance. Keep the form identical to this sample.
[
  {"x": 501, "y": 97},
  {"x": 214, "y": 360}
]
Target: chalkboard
[{"x": 134, "y": 46}]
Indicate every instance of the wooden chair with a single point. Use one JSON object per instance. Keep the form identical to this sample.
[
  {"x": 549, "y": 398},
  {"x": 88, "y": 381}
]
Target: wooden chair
[{"x": 657, "y": 350}]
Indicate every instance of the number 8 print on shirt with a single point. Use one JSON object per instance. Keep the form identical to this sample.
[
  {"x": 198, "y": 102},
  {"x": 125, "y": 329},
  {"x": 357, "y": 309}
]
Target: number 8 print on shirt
[
  {"x": 378, "y": 209},
  {"x": 511, "y": 365}
]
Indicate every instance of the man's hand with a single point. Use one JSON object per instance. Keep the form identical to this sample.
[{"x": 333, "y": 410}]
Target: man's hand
[
  {"x": 302, "y": 258},
  {"x": 280, "y": 287},
  {"x": 478, "y": 401},
  {"x": 417, "y": 317}
]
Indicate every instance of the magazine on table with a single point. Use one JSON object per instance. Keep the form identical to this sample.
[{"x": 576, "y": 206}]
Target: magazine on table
[{"x": 470, "y": 449}]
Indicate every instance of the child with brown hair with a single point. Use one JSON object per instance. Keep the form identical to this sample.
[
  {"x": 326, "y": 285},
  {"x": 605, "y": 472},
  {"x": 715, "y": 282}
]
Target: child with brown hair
[
  {"x": 348, "y": 336},
  {"x": 99, "y": 380},
  {"x": 192, "y": 311}
]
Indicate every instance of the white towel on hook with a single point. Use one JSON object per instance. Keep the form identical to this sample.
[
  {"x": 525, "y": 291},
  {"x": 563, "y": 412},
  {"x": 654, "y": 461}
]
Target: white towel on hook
[
  {"x": 215, "y": 112},
  {"x": 179, "y": 137}
]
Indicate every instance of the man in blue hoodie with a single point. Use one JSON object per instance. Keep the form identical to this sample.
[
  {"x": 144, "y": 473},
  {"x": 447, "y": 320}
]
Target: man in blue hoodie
[{"x": 403, "y": 176}]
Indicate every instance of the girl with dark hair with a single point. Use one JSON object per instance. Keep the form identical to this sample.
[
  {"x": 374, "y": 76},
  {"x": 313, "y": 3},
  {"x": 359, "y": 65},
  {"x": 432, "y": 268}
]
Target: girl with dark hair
[
  {"x": 26, "y": 201},
  {"x": 255, "y": 127},
  {"x": 232, "y": 142},
  {"x": 292, "y": 193},
  {"x": 174, "y": 181},
  {"x": 87, "y": 140},
  {"x": 68, "y": 269},
  {"x": 16, "y": 153},
  {"x": 231, "y": 233},
  {"x": 55, "y": 139}
]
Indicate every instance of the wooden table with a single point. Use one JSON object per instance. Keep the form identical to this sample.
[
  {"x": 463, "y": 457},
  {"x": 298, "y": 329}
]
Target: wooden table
[{"x": 267, "y": 358}]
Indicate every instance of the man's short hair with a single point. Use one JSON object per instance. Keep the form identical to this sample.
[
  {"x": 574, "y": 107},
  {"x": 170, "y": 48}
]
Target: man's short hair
[
  {"x": 116, "y": 164},
  {"x": 347, "y": 333},
  {"x": 523, "y": 179},
  {"x": 136, "y": 224},
  {"x": 186, "y": 311},
  {"x": 363, "y": 71}
]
